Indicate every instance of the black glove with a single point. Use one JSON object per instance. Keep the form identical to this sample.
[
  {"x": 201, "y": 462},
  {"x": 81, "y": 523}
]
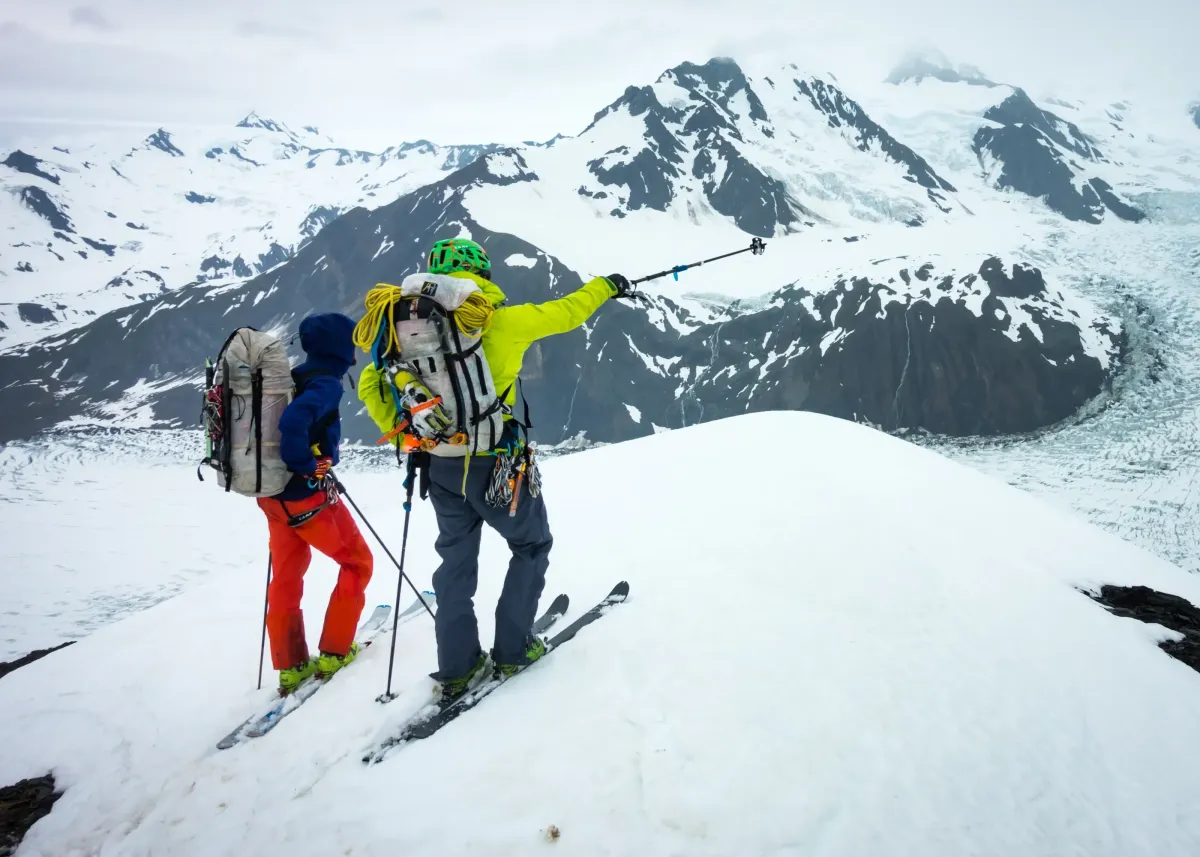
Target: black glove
[{"x": 622, "y": 288}]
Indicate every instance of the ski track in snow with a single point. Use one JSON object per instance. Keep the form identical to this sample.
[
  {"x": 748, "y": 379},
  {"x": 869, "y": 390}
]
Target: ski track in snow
[{"x": 939, "y": 700}]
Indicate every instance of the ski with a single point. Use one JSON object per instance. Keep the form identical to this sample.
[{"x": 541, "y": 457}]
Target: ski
[
  {"x": 430, "y": 720},
  {"x": 260, "y": 724},
  {"x": 437, "y": 710}
]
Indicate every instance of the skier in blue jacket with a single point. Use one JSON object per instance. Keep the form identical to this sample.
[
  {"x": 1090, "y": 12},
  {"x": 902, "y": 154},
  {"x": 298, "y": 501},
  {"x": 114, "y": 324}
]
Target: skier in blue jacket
[{"x": 306, "y": 515}]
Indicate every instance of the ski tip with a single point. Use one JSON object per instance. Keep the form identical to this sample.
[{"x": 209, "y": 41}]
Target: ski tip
[{"x": 620, "y": 591}]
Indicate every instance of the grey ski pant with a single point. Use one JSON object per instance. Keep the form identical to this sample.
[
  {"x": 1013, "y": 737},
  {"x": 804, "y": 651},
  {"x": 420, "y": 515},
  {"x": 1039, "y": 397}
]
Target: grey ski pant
[{"x": 460, "y": 526}]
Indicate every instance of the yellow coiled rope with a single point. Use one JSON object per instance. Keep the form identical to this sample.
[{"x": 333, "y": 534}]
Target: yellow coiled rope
[{"x": 474, "y": 315}]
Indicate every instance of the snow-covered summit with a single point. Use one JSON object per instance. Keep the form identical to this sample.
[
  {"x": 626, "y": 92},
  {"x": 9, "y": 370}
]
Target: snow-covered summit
[
  {"x": 253, "y": 120},
  {"x": 877, "y": 651},
  {"x": 919, "y": 65}
]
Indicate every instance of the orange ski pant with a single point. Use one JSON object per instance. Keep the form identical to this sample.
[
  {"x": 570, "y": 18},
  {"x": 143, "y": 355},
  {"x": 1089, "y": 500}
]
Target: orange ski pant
[{"x": 333, "y": 532}]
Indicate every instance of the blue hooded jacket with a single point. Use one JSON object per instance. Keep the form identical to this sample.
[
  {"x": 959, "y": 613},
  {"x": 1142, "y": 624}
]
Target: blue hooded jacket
[{"x": 326, "y": 340}]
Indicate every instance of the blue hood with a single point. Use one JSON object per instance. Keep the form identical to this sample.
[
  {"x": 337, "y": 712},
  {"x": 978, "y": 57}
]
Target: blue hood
[{"x": 327, "y": 340}]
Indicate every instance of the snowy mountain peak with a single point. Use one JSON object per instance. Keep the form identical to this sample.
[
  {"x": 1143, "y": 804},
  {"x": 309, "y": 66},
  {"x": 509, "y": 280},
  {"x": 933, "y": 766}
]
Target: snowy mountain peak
[
  {"x": 917, "y": 66},
  {"x": 23, "y": 162},
  {"x": 1020, "y": 109},
  {"x": 253, "y": 120},
  {"x": 161, "y": 140},
  {"x": 719, "y": 81}
]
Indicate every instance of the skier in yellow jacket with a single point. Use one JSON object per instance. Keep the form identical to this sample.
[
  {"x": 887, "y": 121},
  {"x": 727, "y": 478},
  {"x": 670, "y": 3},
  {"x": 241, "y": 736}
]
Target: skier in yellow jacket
[{"x": 464, "y": 493}]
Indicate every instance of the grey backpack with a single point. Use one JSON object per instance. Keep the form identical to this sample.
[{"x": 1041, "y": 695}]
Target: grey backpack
[{"x": 246, "y": 391}]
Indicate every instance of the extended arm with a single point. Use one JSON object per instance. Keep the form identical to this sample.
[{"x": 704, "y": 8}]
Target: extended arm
[{"x": 528, "y": 323}]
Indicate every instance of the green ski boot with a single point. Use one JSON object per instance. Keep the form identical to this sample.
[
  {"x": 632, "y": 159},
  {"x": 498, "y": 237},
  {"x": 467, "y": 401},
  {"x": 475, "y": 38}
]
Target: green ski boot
[
  {"x": 328, "y": 664},
  {"x": 537, "y": 648},
  {"x": 455, "y": 687},
  {"x": 292, "y": 678}
]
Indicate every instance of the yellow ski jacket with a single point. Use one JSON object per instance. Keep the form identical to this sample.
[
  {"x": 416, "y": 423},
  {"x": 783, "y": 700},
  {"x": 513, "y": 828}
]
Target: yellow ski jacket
[{"x": 512, "y": 331}]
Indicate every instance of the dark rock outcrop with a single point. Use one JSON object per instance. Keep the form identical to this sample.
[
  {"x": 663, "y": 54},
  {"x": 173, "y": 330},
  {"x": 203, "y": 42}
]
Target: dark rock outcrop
[
  {"x": 1040, "y": 155},
  {"x": 275, "y": 255},
  {"x": 215, "y": 267},
  {"x": 42, "y": 204},
  {"x": 317, "y": 219},
  {"x": 26, "y": 660},
  {"x": 253, "y": 120},
  {"x": 22, "y": 805},
  {"x": 35, "y": 313},
  {"x": 1196, "y": 114},
  {"x": 104, "y": 247},
  {"x": 1157, "y": 608},
  {"x": 28, "y": 164},
  {"x": 162, "y": 141}
]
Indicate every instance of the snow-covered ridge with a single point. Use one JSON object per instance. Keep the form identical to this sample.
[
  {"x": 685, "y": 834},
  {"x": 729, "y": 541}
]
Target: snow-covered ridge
[
  {"x": 772, "y": 153},
  {"x": 940, "y": 698},
  {"x": 97, "y": 227}
]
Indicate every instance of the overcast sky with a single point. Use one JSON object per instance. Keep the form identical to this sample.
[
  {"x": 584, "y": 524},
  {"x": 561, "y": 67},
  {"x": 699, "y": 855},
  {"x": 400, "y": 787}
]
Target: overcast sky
[{"x": 376, "y": 72}]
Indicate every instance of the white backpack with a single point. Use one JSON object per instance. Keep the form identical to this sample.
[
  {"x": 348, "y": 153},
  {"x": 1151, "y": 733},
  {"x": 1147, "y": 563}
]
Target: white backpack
[
  {"x": 246, "y": 392},
  {"x": 449, "y": 361}
]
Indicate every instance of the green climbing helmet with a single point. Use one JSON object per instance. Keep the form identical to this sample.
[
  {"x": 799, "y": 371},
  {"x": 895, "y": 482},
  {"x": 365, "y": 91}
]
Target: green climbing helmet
[{"x": 458, "y": 254}]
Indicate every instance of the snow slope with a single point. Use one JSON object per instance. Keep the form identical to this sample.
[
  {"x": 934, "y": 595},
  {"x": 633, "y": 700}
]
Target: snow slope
[
  {"x": 860, "y": 648},
  {"x": 93, "y": 532}
]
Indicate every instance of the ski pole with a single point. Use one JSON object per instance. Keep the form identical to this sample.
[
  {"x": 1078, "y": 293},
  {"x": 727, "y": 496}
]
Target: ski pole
[
  {"x": 409, "y": 479},
  {"x": 262, "y": 646},
  {"x": 388, "y": 696},
  {"x": 757, "y": 246},
  {"x": 399, "y": 565}
]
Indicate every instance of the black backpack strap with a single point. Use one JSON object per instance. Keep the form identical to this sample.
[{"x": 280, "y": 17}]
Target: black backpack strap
[
  {"x": 256, "y": 394},
  {"x": 227, "y": 430}
]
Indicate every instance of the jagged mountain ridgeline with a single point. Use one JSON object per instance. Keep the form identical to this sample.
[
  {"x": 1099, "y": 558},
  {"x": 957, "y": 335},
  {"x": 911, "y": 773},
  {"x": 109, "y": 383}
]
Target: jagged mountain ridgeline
[{"x": 109, "y": 326}]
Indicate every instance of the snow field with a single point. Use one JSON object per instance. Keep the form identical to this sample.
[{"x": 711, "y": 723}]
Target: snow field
[{"x": 858, "y": 647}]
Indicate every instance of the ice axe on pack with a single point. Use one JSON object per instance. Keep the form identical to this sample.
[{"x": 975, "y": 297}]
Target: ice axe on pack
[{"x": 757, "y": 247}]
